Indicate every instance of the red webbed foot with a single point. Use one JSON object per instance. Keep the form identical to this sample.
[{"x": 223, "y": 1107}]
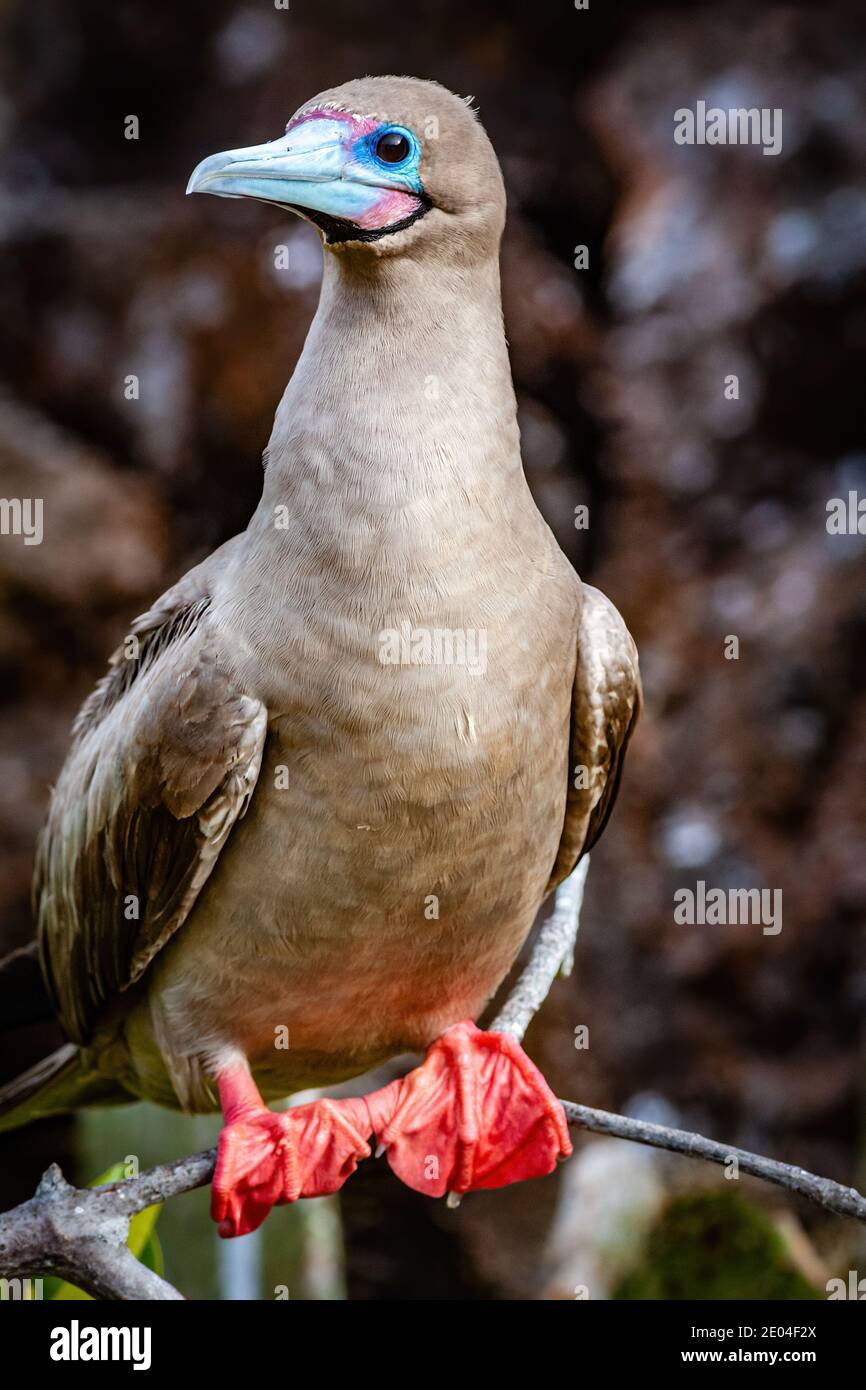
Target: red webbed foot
[
  {"x": 265, "y": 1159},
  {"x": 477, "y": 1113}
]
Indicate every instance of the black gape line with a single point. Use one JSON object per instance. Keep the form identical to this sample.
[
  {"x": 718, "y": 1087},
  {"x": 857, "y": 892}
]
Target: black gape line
[{"x": 338, "y": 229}]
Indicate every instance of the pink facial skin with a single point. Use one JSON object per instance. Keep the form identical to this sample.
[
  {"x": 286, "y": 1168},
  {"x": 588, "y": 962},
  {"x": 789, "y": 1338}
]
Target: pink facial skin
[
  {"x": 356, "y": 125},
  {"x": 391, "y": 205}
]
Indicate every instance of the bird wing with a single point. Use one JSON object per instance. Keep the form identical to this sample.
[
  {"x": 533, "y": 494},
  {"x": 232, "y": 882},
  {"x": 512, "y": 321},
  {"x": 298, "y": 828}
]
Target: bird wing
[
  {"x": 165, "y": 758},
  {"x": 606, "y": 703}
]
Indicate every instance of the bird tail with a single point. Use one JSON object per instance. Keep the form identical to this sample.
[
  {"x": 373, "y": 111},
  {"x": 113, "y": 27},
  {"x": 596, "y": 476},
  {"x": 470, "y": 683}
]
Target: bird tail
[
  {"x": 59, "y": 1082},
  {"x": 56, "y": 1085},
  {"x": 48, "y": 1088}
]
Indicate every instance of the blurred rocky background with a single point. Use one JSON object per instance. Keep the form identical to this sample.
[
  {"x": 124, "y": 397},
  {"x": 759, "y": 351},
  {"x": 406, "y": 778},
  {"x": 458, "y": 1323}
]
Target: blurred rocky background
[{"x": 706, "y": 520}]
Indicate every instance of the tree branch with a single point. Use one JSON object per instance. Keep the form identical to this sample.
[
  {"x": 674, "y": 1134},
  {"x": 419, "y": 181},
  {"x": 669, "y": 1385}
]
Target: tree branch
[
  {"x": 844, "y": 1201},
  {"x": 80, "y": 1233},
  {"x": 552, "y": 955}
]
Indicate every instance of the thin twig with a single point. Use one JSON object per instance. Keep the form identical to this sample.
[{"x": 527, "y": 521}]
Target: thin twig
[
  {"x": 555, "y": 946},
  {"x": 844, "y": 1201},
  {"x": 552, "y": 954}
]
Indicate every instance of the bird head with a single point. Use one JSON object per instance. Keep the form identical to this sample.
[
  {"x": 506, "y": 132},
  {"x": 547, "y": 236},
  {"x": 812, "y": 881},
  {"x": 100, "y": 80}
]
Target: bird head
[{"x": 379, "y": 164}]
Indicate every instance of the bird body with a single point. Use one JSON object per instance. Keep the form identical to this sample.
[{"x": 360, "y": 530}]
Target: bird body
[
  {"x": 310, "y": 815},
  {"x": 381, "y": 784}
]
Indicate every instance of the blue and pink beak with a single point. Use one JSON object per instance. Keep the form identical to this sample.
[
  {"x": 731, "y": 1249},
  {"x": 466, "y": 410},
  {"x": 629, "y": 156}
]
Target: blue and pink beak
[{"x": 355, "y": 177}]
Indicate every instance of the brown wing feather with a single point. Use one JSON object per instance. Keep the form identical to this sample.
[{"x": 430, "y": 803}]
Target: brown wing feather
[
  {"x": 606, "y": 704},
  {"x": 164, "y": 761}
]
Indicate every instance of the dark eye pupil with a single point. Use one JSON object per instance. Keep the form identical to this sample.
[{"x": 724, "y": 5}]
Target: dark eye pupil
[{"x": 393, "y": 147}]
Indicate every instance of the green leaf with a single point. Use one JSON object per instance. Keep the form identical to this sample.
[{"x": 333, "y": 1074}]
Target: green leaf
[{"x": 151, "y": 1255}]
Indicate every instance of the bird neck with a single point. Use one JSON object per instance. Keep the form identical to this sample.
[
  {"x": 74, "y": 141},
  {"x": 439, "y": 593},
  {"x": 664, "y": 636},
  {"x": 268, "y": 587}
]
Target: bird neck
[{"x": 403, "y": 390}]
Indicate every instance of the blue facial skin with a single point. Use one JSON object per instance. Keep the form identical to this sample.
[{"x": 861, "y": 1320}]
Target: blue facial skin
[{"x": 364, "y": 152}]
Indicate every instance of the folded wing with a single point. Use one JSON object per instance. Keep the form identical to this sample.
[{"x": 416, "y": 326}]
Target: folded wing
[
  {"x": 165, "y": 758},
  {"x": 606, "y": 703}
]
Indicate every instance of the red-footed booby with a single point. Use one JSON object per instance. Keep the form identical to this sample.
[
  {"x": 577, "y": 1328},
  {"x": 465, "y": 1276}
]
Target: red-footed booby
[{"x": 311, "y": 812}]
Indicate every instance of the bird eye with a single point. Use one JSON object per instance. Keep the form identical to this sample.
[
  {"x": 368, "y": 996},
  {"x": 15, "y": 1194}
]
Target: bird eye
[{"x": 392, "y": 147}]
